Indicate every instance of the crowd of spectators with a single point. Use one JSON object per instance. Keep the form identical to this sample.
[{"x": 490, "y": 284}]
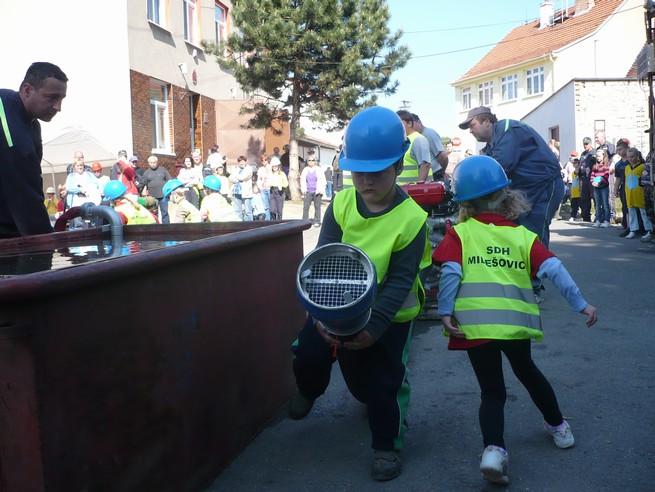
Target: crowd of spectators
[
  {"x": 254, "y": 189},
  {"x": 609, "y": 184}
]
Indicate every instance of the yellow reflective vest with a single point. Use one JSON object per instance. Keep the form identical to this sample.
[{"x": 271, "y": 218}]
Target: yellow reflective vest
[
  {"x": 135, "y": 213},
  {"x": 383, "y": 235},
  {"x": 495, "y": 298},
  {"x": 410, "y": 166}
]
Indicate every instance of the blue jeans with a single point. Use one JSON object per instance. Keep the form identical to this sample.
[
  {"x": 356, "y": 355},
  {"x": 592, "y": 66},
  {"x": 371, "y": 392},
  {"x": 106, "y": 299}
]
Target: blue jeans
[
  {"x": 163, "y": 209},
  {"x": 242, "y": 207},
  {"x": 602, "y": 197},
  {"x": 265, "y": 193}
]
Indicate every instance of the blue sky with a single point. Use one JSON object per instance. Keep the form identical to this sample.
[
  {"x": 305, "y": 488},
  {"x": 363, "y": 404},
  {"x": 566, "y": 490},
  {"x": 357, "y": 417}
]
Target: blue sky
[{"x": 446, "y": 39}]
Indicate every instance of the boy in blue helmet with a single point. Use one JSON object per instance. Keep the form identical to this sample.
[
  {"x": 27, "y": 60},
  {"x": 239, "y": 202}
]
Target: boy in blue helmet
[
  {"x": 214, "y": 207},
  {"x": 131, "y": 209},
  {"x": 486, "y": 302},
  {"x": 378, "y": 217}
]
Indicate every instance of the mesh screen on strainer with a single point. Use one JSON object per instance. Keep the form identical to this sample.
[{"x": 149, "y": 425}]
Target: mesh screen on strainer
[{"x": 336, "y": 281}]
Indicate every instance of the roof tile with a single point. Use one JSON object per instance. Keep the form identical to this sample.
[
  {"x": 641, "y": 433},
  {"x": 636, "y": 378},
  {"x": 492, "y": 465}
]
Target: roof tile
[{"x": 528, "y": 41}]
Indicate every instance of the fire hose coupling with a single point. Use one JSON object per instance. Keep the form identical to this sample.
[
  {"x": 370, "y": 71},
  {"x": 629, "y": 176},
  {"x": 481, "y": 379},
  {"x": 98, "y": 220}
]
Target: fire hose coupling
[{"x": 337, "y": 285}]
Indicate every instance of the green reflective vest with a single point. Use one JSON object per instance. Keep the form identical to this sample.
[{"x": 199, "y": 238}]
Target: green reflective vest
[
  {"x": 381, "y": 236},
  {"x": 495, "y": 299},
  {"x": 410, "y": 166}
]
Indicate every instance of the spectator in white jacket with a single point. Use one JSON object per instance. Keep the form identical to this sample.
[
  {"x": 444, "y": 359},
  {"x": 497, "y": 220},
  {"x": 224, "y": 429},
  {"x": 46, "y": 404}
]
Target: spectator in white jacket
[{"x": 241, "y": 180}]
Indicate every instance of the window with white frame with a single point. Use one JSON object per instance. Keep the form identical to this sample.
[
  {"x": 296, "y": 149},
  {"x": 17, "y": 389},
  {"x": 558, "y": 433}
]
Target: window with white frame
[
  {"x": 191, "y": 24},
  {"x": 535, "y": 80},
  {"x": 486, "y": 93},
  {"x": 161, "y": 135},
  {"x": 466, "y": 98},
  {"x": 509, "y": 87},
  {"x": 220, "y": 21},
  {"x": 157, "y": 12}
]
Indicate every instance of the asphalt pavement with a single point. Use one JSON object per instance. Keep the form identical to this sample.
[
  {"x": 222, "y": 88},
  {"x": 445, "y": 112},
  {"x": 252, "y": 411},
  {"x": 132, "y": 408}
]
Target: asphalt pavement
[{"x": 604, "y": 378}]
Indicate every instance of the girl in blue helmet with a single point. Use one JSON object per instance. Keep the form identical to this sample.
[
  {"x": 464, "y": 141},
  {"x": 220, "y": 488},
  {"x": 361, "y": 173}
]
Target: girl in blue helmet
[
  {"x": 487, "y": 304},
  {"x": 378, "y": 217}
]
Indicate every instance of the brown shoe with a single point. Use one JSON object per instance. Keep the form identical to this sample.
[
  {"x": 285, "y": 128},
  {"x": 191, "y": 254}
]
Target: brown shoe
[{"x": 386, "y": 465}]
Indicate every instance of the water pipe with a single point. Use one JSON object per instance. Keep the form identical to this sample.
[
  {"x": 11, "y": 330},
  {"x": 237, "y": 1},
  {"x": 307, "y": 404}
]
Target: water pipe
[{"x": 90, "y": 210}]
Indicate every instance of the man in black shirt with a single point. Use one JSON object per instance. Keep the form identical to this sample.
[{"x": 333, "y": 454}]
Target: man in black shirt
[
  {"x": 587, "y": 161},
  {"x": 22, "y": 212}
]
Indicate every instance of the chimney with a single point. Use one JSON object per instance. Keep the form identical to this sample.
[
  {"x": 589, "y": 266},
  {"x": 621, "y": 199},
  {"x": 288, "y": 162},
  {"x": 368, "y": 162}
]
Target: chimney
[
  {"x": 583, "y": 6},
  {"x": 546, "y": 14}
]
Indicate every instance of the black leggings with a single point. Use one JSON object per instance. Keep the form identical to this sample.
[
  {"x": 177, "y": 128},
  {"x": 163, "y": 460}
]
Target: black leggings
[{"x": 488, "y": 366}]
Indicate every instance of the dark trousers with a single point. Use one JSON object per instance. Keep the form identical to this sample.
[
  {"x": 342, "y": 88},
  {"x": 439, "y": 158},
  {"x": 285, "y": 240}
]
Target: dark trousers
[
  {"x": 543, "y": 210},
  {"x": 575, "y": 205},
  {"x": 276, "y": 204},
  {"x": 488, "y": 366},
  {"x": 624, "y": 208},
  {"x": 316, "y": 199},
  {"x": 376, "y": 376},
  {"x": 586, "y": 195}
]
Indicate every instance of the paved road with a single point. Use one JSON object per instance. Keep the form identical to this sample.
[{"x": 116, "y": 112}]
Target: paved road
[{"x": 604, "y": 378}]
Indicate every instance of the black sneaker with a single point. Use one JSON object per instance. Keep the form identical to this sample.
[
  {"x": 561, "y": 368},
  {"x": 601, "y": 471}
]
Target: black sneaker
[
  {"x": 299, "y": 406},
  {"x": 386, "y": 465}
]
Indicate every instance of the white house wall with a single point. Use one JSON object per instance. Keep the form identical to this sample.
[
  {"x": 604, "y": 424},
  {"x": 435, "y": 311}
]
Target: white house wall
[
  {"x": 583, "y": 106},
  {"x": 608, "y": 53},
  {"x": 621, "y": 104},
  {"x": 87, "y": 39},
  {"x": 159, "y": 52},
  {"x": 557, "y": 111}
]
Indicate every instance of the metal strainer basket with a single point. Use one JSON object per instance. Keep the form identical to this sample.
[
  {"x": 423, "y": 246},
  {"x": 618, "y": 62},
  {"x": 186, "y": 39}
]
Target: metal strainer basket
[{"x": 337, "y": 284}]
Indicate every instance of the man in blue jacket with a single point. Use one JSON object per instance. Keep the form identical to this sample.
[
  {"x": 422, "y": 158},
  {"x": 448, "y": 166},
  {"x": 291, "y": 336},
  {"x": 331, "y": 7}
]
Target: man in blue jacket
[
  {"x": 22, "y": 212},
  {"x": 528, "y": 162}
]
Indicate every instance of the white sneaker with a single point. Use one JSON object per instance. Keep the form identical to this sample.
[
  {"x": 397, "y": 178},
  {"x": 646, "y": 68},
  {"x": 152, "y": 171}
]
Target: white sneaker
[
  {"x": 631, "y": 235},
  {"x": 562, "y": 438},
  {"x": 493, "y": 465},
  {"x": 646, "y": 237},
  {"x": 605, "y": 224},
  {"x": 571, "y": 219},
  {"x": 596, "y": 224}
]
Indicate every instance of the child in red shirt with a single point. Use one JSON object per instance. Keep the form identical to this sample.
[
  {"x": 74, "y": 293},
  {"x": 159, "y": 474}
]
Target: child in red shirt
[{"x": 487, "y": 303}]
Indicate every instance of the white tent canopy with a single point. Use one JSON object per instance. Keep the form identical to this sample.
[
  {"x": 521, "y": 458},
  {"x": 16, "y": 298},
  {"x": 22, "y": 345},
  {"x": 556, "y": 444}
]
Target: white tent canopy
[{"x": 58, "y": 152}]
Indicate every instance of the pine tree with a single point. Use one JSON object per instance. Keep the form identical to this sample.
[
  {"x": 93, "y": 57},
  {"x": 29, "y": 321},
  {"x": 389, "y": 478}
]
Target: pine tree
[{"x": 322, "y": 58}]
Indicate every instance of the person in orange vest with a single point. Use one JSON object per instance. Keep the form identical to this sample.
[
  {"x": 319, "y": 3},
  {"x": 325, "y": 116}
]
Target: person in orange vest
[{"x": 127, "y": 206}]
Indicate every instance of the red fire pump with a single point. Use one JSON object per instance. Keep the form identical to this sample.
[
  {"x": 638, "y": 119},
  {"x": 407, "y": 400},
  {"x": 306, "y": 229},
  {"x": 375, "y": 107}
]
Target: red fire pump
[{"x": 437, "y": 200}]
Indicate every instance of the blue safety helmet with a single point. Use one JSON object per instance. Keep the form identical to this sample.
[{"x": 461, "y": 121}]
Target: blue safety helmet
[
  {"x": 477, "y": 176},
  {"x": 171, "y": 186},
  {"x": 375, "y": 139},
  {"x": 114, "y": 189},
  {"x": 212, "y": 182}
]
